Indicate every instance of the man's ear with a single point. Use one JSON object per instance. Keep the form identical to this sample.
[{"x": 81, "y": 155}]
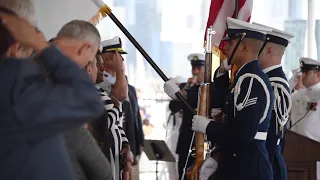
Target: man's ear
[
  {"x": 318, "y": 74},
  {"x": 88, "y": 68},
  {"x": 84, "y": 49},
  {"x": 270, "y": 51},
  {"x": 246, "y": 47}
]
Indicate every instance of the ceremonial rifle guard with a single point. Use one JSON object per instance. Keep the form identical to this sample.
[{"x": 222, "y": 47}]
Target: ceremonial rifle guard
[
  {"x": 241, "y": 137},
  {"x": 270, "y": 60}
]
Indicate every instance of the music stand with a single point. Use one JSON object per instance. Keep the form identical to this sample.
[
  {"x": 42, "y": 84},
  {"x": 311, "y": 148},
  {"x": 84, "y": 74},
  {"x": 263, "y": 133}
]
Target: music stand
[{"x": 157, "y": 150}]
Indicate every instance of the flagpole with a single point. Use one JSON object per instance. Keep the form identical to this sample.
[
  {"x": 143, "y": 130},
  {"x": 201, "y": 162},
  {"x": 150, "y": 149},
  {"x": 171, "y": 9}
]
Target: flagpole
[
  {"x": 236, "y": 14},
  {"x": 106, "y": 9},
  {"x": 237, "y": 9}
]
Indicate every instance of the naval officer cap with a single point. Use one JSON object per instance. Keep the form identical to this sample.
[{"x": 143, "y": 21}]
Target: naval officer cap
[
  {"x": 277, "y": 36},
  {"x": 197, "y": 59},
  {"x": 237, "y": 28},
  {"x": 308, "y": 64},
  {"x": 113, "y": 45}
]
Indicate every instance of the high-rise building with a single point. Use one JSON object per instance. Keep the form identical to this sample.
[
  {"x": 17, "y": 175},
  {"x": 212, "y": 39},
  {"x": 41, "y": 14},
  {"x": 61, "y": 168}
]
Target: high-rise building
[
  {"x": 295, "y": 10},
  {"x": 205, "y": 8},
  {"x": 317, "y": 33},
  {"x": 296, "y": 48}
]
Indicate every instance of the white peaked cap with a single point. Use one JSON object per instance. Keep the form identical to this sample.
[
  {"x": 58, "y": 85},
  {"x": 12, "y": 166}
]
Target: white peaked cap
[
  {"x": 238, "y": 24},
  {"x": 235, "y": 27},
  {"x": 278, "y": 33}
]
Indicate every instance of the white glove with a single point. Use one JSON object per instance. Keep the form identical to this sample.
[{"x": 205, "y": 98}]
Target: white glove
[
  {"x": 170, "y": 88},
  {"x": 208, "y": 167},
  {"x": 293, "y": 81},
  {"x": 200, "y": 123},
  {"x": 226, "y": 66},
  {"x": 215, "y": 112}
]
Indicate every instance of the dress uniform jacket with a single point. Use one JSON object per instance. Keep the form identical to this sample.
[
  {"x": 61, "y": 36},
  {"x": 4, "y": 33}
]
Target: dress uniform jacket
[
  {"x": 241, "y": 138},
  {"x": 280, "y": 112},
  {"x": 35, "y": 112}
]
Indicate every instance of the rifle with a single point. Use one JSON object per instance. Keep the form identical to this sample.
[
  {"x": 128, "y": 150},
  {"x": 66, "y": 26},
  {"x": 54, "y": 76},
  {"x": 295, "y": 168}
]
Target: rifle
[{"x": 204, "y": 109}]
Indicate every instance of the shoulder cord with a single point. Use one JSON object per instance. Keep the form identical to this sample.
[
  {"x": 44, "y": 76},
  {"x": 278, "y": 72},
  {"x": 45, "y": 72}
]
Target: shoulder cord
[
  {"x": 281, "y": 117},
  {"x": 247, "y": 102}
]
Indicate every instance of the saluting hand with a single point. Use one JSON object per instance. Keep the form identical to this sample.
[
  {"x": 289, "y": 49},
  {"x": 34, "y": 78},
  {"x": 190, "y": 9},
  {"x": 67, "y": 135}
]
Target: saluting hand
[
  {"x": 24, "y": 32},
  {"x": 115, "y": 61}
]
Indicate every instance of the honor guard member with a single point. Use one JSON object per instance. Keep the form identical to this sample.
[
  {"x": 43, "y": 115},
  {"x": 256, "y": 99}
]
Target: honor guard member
[
  {"x": 242, "y": 136},
  {"x": 190, "y": 89},
  {"x": 115, "y": 83},
  {"x": 270, "y": 60}
]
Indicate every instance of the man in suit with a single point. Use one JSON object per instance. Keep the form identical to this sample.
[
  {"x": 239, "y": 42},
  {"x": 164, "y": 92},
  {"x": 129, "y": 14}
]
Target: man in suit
[
  {"x": 138, "y": 131},
  {"x": 35, "y": 112},
  {"x": 270, "y": 60},
  {"x": 241, "y": 137}
]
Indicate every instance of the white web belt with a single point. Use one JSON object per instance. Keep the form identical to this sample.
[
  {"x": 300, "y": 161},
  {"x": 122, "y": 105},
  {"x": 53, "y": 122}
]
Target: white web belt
[{"x": 261, "y": 136}]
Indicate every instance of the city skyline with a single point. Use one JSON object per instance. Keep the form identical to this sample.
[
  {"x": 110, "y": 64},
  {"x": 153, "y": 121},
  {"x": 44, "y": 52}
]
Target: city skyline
[{"x": 168, "y": 35}]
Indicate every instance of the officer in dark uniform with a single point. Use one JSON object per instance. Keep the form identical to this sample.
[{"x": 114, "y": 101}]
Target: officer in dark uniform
[
  {"x": 242, "y": 136},
  {"x": 270, "y": 60},
  {"x": 191, "y": 88}
]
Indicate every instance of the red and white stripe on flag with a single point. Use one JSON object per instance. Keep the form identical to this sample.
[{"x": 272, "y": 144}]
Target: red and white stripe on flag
[{"x": 220, "y": 10}]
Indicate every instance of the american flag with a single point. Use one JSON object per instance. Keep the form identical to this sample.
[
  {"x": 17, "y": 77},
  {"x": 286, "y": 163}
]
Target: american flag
[{"x": 219, "y": 11}]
